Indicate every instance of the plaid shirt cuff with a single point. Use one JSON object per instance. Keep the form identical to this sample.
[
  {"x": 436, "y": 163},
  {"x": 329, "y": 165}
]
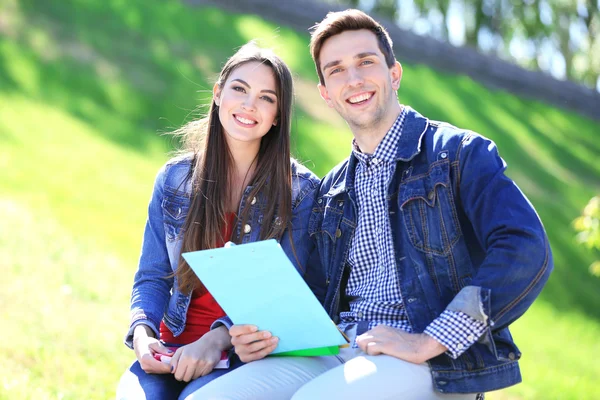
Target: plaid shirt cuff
[{"x": 455, "y": 330}]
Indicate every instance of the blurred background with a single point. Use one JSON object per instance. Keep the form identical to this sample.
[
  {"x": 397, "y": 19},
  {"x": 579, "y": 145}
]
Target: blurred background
[{"x": 89, "y": 87}]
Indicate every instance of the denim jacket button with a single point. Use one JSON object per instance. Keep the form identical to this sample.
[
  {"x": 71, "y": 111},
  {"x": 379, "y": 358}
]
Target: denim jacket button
[
  {"x": 511, "y": 356},
  {"x": 430, "y": 195},
  {"x": 338, "y": 233},
  {"x": 253, "y": 202},
  {"x": 320, "y": 201},
  {"x": 247, "y": 228}
]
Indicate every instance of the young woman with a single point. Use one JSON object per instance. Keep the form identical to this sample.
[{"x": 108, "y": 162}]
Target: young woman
[{"x": 234, "y": 181}]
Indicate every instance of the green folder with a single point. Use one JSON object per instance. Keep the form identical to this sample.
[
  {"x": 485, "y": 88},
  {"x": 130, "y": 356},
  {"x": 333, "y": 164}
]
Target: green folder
[{"x": 319, "y": 351}]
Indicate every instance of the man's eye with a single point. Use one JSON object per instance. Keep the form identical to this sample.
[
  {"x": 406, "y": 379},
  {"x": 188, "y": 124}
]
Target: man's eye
[
  {"x": 366, "y": 62},
  {"x": 334, "y": 71}
]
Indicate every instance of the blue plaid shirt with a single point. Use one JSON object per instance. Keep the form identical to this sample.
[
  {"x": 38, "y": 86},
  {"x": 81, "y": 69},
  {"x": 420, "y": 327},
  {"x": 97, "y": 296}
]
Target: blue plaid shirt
[{"x": 373, "y": 282}]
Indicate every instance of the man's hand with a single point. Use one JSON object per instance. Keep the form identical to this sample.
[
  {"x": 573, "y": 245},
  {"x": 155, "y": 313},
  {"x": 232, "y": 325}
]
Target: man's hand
[
  {"x": 200, "y": 357},
  {"x": 145, "y": 346},
  {"x": 413, "y": 347},
  {"x": 251, "y": 344}
]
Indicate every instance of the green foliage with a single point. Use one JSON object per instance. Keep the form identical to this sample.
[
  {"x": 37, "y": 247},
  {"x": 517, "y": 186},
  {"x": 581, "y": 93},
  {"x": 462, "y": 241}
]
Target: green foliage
[
  {"x": 588, "y": 226},
  {"x": 539, "y": 28}
]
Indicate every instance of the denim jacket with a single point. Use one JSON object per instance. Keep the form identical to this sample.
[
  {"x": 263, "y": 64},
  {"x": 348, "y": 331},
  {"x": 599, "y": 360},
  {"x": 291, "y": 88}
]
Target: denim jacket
[
  {"x": 465, "y": 239},
  {"x": 154, "y": 296}
]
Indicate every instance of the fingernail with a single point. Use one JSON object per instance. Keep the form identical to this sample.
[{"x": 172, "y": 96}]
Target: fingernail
[
  {"x": 266, "y": 334},
  {"x": 172, "y": 368},
  {"x": 169, "y": 351},
  {"x": 274, "y": 340}
]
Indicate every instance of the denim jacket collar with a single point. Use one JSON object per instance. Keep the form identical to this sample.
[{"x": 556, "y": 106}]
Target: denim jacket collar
[{"x": 409, "y": 145}]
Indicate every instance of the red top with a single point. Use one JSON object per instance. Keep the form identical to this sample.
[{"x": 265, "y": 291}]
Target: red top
[{"x": 203, "y": 309}]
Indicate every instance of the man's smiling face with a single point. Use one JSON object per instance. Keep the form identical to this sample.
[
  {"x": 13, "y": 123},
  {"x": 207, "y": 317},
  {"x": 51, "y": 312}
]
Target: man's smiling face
[{"x": 358, "y": 83}]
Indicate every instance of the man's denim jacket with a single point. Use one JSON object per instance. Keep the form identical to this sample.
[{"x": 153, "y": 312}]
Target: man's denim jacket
[
  {"x": 155, "y": 296},
  {"x": 465, "y": 239}
]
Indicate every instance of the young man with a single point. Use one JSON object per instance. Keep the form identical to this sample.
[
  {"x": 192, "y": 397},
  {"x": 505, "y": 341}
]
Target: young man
[{"x": 429, "y": 251}]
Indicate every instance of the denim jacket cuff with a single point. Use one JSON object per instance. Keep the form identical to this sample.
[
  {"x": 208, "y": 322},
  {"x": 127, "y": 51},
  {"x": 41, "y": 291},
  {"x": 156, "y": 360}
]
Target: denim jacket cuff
[
  {"x": 129, "y": 336},
  {"x": 473, "y": 301},
  {"x": 223, "y": 321}
]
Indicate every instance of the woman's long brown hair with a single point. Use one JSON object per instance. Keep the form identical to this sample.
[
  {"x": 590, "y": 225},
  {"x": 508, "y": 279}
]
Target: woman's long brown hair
[{"x": 212, "y": 165}]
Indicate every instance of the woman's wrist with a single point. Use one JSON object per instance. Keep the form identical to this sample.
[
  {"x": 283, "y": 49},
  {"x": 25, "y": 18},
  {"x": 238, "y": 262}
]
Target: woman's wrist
[
  {"x": 143, "y": 330},
  {"x": 219, "y": 337}
]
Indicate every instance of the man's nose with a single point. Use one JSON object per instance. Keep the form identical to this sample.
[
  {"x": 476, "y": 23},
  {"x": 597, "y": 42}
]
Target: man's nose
[{"x": 355, "y": 78}]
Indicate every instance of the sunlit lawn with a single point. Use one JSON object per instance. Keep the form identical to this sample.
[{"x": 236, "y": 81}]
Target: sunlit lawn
[{"x": 87, "y": 87}]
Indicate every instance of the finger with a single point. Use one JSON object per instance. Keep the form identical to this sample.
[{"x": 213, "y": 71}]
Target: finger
[
  {"x": 150, "y": 365},
  {"x": 259, "y": 354},
  {"x": 190, "y": 371},
  {"x": 205, "y": 369},
  {"x": 175, "y": 360},
  {"x": 180, "y": 370},
  {"x": 160, "y": 348},
  {"x": 247, "y": 349},
  {"x": 261, "y": 345},
  {"x": 237, "y": 330},
  {"x": 373, "y": 348},
  {"x": 250, "y": 338}
]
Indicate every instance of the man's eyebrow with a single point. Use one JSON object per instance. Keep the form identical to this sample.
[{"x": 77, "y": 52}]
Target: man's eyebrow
[
  {"x": 365, "y": 54},
  {"x": 331, "y": 64},
  {"x": 243, "y": 82},
  {"x": 356, "y": 57}
]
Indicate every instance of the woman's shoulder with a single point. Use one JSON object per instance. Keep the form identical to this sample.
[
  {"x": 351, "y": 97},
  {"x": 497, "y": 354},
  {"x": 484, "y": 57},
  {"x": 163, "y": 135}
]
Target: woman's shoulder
[
  {"x": 300, "y": 171},
  {"x": 304, "y": 182},
  {"x": 176, "y": 172}
]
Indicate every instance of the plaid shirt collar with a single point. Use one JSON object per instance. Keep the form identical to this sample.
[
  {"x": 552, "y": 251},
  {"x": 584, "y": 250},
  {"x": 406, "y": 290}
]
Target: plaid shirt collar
[{"x": 387, "y": 148}]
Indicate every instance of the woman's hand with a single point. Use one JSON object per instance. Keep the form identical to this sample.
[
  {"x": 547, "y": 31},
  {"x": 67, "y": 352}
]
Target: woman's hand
[
  {"x": 145, "y": 346},
  {"x": 250, "y": 343},
  {"x": 200, "y": 357}
]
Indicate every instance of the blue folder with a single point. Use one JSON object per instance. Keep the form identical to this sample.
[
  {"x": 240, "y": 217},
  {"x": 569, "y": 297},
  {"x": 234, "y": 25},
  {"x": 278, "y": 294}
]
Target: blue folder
[{"x": 255, "y": 283}]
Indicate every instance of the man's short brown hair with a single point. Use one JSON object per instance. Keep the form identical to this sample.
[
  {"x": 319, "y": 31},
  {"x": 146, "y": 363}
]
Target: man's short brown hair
[{"x": 349, "y": 20}]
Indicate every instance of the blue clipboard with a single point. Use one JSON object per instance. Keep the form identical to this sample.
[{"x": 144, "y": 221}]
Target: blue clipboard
[{"x": 256, "y": 283}]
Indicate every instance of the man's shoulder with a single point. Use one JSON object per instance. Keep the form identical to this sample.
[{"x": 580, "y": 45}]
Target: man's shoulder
[{"x": 443, "y": 136}]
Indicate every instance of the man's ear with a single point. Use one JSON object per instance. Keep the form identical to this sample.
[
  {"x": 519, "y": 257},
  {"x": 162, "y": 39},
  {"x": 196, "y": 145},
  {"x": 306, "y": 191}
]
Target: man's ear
[
  {"x": 325, "y": 95},
  {"x": 396, "y": 75},
  {"x": 217, "y": 94}
]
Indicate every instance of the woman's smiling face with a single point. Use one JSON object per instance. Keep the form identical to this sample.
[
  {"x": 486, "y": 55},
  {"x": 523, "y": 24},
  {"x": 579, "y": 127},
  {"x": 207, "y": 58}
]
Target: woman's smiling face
[{"x": 248, "y": 103}]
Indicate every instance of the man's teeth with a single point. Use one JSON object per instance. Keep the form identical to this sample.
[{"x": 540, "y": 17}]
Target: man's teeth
[
  {"x": 245, "y": 121},
  {"x": 358, "y": 99}
]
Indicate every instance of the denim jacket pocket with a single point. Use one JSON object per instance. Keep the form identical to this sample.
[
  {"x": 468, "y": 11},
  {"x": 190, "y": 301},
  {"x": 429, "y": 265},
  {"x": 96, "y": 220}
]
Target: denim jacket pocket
[
  {"x": 325, "y": 228},
  {"x": 429, "y": 212},
  {"x": 175, "y": 209}
]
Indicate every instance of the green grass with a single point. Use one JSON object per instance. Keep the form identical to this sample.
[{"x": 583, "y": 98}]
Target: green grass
[{"x": 86, "y": 88}]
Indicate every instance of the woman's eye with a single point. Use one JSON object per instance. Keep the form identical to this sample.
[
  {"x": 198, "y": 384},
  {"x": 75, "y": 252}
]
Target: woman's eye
[
  {"x": 239, "y": 89},
  {"x": 267, "y": 98}
]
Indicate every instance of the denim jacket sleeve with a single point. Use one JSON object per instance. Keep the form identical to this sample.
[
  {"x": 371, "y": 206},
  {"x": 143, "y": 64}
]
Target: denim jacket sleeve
[
  {"x": 151, "y": 287},
  {"x": 296, "y": 242},
  {"x": 518, "y": 258}
]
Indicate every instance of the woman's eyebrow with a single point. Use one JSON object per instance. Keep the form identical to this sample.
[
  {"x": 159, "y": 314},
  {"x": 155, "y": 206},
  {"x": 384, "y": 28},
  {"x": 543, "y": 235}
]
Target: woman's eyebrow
[{"x": 243, "y": 82}]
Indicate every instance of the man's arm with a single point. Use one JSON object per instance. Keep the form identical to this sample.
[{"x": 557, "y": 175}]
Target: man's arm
[{"x": 518, "y": 263}]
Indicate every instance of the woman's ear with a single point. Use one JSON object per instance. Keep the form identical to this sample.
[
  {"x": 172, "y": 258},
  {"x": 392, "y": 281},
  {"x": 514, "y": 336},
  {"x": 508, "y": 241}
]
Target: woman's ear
[
  {"x": 275, "y": 122},
  {"x": 217, "y": 94}
]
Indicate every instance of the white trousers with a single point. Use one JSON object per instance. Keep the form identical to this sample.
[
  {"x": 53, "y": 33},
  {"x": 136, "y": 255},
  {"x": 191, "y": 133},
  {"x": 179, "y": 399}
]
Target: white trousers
[{"x": 350, "y": 375}]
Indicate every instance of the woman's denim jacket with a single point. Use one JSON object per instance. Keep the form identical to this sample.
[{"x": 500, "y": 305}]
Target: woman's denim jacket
[
  {"x": 155, "y": 296},
  {"x": 465, "y": 238}
]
